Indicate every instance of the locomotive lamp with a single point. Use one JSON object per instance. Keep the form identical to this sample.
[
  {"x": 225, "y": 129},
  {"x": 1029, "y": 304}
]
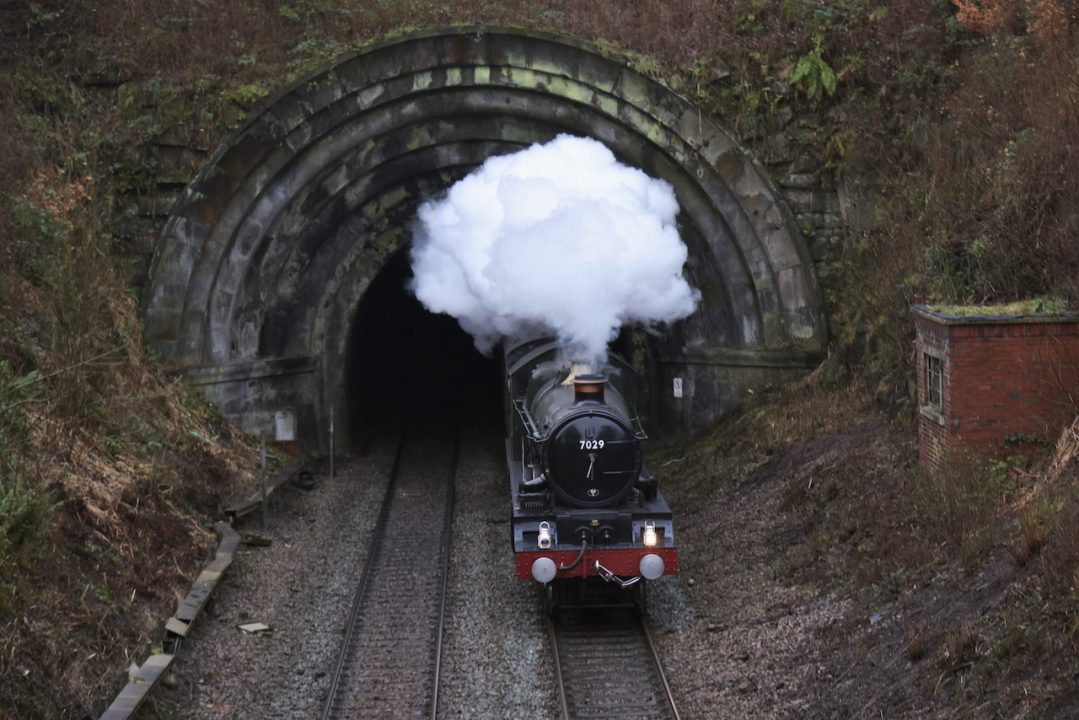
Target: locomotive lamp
[
  {"x": 544, "y": 541},
  {"x": 648, "y": 536}
]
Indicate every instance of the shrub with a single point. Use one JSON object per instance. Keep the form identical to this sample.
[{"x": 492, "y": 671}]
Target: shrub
[
  {"x": 813, "y": 74},
  {"x": 1059, "y": 490},
  {"x": 963, "y": 505},
  {"x": 24, "y": 511},
  {"x": 24, "y": 507}
]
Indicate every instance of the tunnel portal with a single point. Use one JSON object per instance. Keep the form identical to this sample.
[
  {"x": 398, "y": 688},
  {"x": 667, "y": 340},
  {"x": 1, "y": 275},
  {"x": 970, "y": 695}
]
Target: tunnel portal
[
  {"x": 403, "y": 361},
  {"x": 262, "y": 270}
]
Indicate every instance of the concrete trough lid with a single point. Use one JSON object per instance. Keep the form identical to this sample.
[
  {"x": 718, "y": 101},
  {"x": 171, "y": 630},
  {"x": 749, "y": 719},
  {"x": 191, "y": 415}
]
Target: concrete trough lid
[
  {"x": 256, "y": 628},
  {"x": 207, "y": 579},
  {"x": 141, "y": 680},
  {"x": 135, "y": 692},
  {"x": 176, "y": 626},
  {"x": 245, "y": 507}
]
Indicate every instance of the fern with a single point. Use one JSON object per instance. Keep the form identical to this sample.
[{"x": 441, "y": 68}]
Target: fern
[{"x": 813, "y": 75}]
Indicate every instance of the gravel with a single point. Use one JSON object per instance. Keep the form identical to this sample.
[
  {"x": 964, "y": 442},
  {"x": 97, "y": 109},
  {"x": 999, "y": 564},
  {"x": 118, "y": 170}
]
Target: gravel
[
  {"x": 736, "y": 641},
  {"x": 300, "y": 585},
  {"x": 496, "y": 660}
]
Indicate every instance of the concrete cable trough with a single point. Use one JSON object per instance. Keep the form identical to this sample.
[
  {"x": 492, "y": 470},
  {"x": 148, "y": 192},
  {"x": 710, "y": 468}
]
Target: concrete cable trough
[{"x": 142, "y": 679}]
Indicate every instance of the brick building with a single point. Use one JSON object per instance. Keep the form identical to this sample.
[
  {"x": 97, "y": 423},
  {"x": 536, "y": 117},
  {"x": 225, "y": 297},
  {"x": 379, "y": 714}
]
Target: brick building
[{"x": 985, "y": 378}]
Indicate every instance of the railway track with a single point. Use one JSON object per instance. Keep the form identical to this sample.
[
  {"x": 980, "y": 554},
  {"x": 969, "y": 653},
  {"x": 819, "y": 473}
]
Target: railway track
[
  {"x": 607, "y": 667},
  {"x": 390, "y": 657}
]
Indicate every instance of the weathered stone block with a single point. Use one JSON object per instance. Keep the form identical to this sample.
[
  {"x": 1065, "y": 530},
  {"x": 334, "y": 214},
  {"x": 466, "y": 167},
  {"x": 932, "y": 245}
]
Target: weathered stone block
[{"x": 269, "y": 251}]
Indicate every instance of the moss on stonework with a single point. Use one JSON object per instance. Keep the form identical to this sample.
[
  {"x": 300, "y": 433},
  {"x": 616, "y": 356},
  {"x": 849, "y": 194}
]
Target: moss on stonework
[
  {"x": 644, "y": 64},
  {"x": 1031, "y": 306}
]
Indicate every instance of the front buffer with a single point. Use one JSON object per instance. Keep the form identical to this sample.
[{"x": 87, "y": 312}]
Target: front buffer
[
  {"x": 625, "y": 563},
  {"x": 633, "y": 540}
]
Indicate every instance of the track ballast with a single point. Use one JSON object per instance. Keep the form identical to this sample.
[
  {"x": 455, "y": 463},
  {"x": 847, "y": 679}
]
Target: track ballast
[
  {"x": 389, "y": 662},
  {"x": 607, "y": 666}
]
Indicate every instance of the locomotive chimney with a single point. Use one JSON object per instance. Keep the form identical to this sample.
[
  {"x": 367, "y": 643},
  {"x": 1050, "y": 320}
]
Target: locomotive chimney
[{"x": 589, "y": 387}]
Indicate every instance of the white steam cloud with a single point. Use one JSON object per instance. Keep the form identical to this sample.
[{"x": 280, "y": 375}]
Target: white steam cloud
[{"x": 557, "y": 238}]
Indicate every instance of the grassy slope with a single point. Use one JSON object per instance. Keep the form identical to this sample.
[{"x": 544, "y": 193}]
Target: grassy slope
[
  {"x": 956, "y": 143},
  {"x": 976, "y": 572}
]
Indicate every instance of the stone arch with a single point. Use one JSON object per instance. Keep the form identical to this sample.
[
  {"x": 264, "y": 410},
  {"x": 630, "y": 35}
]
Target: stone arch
[{"x": 265, "y": 258}]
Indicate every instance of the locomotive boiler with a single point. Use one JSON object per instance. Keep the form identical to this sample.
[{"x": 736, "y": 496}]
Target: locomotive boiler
[{"x": 589, "y": 522}]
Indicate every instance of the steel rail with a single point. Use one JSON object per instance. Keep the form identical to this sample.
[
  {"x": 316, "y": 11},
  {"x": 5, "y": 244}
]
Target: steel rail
[
  {"x": 370, "y": 622},
  {"x": 447, "y": 539},
  {"x": 552, "y": 632},
  {"x": 604, "y": 673},
  {"x": 361, "y": 587},
  {"x": 659, "y": 670}
]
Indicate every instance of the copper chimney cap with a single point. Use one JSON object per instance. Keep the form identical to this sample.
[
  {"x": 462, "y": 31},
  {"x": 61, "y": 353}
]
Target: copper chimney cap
[{"x": 589, "y": 387}]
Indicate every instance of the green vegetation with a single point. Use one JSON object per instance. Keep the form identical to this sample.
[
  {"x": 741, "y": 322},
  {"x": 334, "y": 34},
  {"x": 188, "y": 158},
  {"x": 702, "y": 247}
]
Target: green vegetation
[
  {"x": 813, "y": 75},
  {"x": 100, "y": 480},
  {"x": 949, "y": 129},
  {"x": 1033, "y": 306},
  {"x": 979, "y": 564}
]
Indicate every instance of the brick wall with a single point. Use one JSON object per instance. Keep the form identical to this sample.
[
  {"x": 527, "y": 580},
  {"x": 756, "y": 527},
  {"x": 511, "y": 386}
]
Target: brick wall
[{"x": 1000, "y": 376}]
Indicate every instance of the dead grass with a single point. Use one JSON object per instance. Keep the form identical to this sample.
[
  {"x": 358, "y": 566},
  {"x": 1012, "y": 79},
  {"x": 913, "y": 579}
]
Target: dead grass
[
  {"x": 766, "y": 420},
  {"x": 127, "y": 498},
  {"x": 1034, "y": 533},
  {"x": 915, "y": 646},
  {"x": 108, "y": 469},
  {"x": 1057, "y": 493},
  {"x": 934, "y": 554},
  {"x": 959, "y": 651},
  {"x": 962, "y": 507},
  {"x": 980, "y": 177}
]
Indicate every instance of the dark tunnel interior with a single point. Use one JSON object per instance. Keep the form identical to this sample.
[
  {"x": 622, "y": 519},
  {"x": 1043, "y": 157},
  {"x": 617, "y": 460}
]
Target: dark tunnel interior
[{"x": 405, "y": 364}]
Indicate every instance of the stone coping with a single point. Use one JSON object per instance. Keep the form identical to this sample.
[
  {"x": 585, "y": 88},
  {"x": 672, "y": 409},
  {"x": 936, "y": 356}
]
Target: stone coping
[{"x": 945, "y": 318}]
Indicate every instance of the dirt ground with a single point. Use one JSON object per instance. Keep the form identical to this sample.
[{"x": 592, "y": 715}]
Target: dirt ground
[
  {"x": 806, "y": 592},
  {"x": 809, "y": 599}
]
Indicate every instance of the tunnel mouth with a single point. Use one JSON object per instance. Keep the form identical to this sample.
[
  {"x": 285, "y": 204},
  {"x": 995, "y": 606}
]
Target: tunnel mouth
[
  {"x": 256, "y": 290},
  {"x": 405, "y": 365}
]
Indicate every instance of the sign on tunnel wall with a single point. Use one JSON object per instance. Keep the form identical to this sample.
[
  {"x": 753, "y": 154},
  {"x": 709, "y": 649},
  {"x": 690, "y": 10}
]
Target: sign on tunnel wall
[{"x": 261, "y": 267}]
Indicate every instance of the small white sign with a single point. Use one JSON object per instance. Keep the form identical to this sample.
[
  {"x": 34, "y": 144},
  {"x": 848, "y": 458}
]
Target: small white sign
[
  {"x": 678, "y": 387},
  {"x": 284, "y": 426}
]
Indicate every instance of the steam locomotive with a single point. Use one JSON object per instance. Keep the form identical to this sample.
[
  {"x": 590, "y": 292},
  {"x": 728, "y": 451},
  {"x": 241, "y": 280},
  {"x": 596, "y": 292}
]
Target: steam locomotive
[{"x": 589, "y": 522}]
